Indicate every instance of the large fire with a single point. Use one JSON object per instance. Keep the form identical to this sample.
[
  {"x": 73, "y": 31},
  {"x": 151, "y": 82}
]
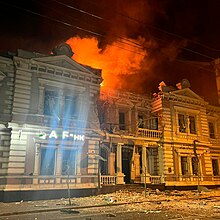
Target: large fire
[{"x": 114, "y": 60}]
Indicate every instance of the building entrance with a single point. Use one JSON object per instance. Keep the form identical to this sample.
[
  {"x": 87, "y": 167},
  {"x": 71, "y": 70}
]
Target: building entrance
[{"x": 126, "y": 163}]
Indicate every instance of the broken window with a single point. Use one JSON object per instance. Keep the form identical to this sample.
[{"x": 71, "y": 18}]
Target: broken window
[
  {"x": 154, "y": 123},
  {"x": 211, "y": 130},
  {"x": 47, "y": 164},
  {"x": 121, "y": 120},
  {"x": 51, "y": 103},
  {"x": 194, "y": 166},
  {"x": 192, "y": 125},
  {"x": 182, "y": 123},
  {"x": 215, "y": 167},
  {"x": 184, "y": 165},
  {"x": 104, "y": 163},
  {"x": 69, "y": 162},
  {"x": 140, "y": 121}
]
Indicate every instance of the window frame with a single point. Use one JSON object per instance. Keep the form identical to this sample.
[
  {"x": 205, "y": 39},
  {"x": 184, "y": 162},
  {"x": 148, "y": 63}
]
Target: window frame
[
  {"x": 57, "y": 105},
  {"x": 214, "y": 130},
  {"x": 54, "y": 161},
  {"x": 184, "y": 123},
  {"x": 74, "y": 151},
  {"x": 122, "y": 126},
  {"x": 187, "y": 114},
  {"x": 186, "y": 166},
  {"x": 214, "y": 170}
]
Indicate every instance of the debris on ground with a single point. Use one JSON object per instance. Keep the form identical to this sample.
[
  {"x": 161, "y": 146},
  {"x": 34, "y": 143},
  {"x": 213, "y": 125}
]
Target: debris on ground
[{"x": 188, "y": 203}]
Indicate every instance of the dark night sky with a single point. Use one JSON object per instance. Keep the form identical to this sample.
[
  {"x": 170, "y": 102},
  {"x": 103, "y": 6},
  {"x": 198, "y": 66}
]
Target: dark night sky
[{"x": 188, "y": 29}]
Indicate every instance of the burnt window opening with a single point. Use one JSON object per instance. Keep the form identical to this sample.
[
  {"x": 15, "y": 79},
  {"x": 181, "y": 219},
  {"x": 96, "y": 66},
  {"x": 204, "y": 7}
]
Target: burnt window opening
[
  {"x": 182, "y": 123},
  {"x": 211, "y": 130},
  {"x": 194, "y": 166},
  {"x": 215, "y": 167},
  {"x": 184, "y": 165},
  {"x": 154, "y": 123},
  {"x": 140, "y": 121},
  {"x": 51, "y": 103},
  {"x": 192, "y": 125},
  {"x": 104, "y": 164},
  {"x": 121, "y": 120}
]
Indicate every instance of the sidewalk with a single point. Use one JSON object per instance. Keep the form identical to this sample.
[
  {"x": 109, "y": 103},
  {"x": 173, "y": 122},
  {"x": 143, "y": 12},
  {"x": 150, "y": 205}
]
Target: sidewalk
[{"x": 176, "y": 200}]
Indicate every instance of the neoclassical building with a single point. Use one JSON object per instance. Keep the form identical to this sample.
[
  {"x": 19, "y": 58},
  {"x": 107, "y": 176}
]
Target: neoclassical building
[
  {"x": 49, "y": 128},
  {"x": 171, "y": 139},
  {"x": 58, "y": 131}
]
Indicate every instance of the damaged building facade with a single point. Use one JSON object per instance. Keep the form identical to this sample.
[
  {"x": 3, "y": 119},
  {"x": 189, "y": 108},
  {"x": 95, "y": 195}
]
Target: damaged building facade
[
  {"x": 170, "y": 139},
  {"x": 49, "y": 128},
  {"x": 54, "y": 133}
]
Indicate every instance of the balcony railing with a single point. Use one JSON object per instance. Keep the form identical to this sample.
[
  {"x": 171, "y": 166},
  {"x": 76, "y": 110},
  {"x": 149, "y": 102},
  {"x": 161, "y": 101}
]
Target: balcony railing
[
  {"x": 108, "y": 180},
  {"x": 155, "y": 179},
  {"x": 143, "y": 132}
]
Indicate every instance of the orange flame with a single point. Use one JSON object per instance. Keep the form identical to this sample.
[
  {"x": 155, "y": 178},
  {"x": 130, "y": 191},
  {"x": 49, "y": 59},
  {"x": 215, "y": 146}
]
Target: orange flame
[{"x": 117, "y": 58}]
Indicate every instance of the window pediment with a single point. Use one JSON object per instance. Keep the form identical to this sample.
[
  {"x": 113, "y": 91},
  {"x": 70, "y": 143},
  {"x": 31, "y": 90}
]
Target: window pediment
[
  {"x": 187, "y": 93},
  {"x": 67, "y": 63}
]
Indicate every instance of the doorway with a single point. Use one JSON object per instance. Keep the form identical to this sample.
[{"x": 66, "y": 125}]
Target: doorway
[{"x": 126, "y": 163}]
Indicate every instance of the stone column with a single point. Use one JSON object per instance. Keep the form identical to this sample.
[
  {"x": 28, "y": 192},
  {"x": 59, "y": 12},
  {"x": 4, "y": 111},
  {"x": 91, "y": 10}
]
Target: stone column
[
  {"x": 120, "y": 175},
  {"x": 58, "y": 165},
  {"x": 145, "y": 177},
  {"x": 161, "y": 162},
  {"x": 190, "y": 167},
  {"x": 41, "y": 100},
  {"x": 111, "y": 163},
  {"x": 78, "y": 167},
  {"x": 36, "y": 163}
]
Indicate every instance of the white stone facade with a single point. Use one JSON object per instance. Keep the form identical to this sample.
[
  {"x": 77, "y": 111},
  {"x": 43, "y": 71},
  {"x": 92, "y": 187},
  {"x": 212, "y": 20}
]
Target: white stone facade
[{"x": 44, "y": 142}]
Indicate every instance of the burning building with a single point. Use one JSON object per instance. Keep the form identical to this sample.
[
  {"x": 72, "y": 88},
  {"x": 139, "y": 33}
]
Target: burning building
[{"x": 57, "y": 130}]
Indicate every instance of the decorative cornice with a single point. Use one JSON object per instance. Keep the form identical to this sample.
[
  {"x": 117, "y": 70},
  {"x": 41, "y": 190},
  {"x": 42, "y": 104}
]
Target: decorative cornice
[
  {"x": 184, "y": 99},
  {"x": 56, "y": 71}
]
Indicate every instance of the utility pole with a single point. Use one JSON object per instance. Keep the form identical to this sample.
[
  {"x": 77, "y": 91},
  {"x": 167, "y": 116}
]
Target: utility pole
[
  {"x": 68, "y": 183},
  {"x": 145, "y": 180}
]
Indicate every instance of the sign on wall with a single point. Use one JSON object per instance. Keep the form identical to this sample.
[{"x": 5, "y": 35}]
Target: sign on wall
[{"x": 61, "y": 135}]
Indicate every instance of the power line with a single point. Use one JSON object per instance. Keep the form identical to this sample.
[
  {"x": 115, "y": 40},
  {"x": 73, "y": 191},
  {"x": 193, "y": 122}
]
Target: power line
[
  {"x": 153, "y": 27},
  {"x": 98, "y": 34},
  {"x": 97, "y": 17},
  {"x": 74, "y": 26},
  {"x": 162, "y": 30}
]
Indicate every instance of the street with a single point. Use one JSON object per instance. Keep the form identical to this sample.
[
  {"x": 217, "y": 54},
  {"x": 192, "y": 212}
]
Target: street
[{"x": 123, "y": 204}]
